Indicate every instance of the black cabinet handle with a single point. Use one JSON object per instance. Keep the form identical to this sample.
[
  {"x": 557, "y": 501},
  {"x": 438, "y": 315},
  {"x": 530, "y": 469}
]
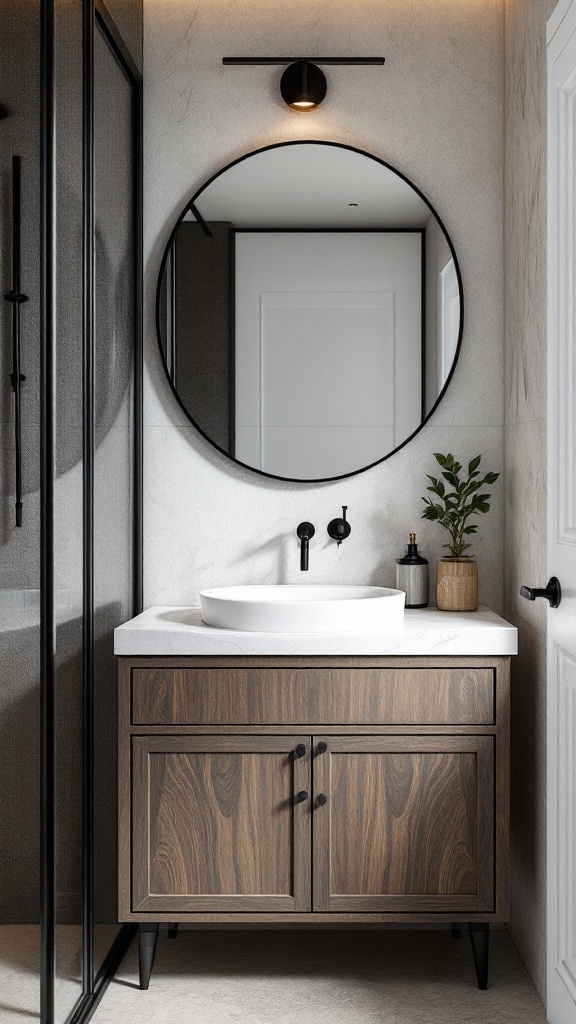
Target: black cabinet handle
[
  {"x": 552, "y": 592},
  {"x": 16, "y": 298},
  {"x": 322, "y": 747},
  {"x": 300, "y": 750},
  {"x": 302, "y": 796},
  {"x": 322, "y": 799}
]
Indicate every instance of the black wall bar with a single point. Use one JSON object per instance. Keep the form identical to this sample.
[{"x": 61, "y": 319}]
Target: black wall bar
[
  {"x": 344, "y": 61},
  {"x": 16, "y": 298}
]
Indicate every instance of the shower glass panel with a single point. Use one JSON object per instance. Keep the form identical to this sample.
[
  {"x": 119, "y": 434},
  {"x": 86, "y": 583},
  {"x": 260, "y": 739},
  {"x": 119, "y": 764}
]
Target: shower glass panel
[
  {"x": 70, "y": 111},
  {"x": 68, "y": 544},
  {"x": 19, "y": 545},
  {"x": 113, "y": 512}
]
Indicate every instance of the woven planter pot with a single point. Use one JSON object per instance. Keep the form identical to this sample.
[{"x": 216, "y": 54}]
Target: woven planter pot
[{"x": 457, "y": 585}]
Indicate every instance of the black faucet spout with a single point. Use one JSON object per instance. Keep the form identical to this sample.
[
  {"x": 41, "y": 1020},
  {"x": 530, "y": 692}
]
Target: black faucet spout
[
  {"x": 304, "y": 549},
  {"x": 305, "y": 532}
]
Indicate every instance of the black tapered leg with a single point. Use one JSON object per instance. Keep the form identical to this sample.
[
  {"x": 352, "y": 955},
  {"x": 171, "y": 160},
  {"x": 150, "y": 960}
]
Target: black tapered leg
[
  {"x": 147, "y": 952},
  {"x": 172, "y": 930},
  {"x": 480, "y": 939},
  {"x": 456, "y": 931}
]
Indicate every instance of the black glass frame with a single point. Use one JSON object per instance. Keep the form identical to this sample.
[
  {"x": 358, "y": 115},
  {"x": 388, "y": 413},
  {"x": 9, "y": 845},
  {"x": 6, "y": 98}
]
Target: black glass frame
[
  {"x": 96, "y": 17},
  {"x": 190, "y": 207}
]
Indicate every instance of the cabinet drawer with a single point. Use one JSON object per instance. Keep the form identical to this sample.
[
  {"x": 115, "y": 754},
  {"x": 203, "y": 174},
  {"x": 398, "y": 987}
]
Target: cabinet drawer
[{"x": 318, "y": 696}]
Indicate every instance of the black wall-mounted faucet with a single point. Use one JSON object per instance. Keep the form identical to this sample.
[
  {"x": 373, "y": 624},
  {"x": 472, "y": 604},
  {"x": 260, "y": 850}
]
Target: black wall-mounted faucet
[
  {"x": 339, "y": 529},
  {"x": 305, "y": 532}
]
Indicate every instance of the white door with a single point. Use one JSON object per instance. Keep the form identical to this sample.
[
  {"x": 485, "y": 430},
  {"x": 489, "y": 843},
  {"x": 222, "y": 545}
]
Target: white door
[
  {"x": 561, "y": 853},
  {"x": 328, "y": 349}
]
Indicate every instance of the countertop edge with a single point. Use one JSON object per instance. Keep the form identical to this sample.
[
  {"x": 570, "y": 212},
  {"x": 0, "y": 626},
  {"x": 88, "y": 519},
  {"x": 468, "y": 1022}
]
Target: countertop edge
[{"x": 425, "y": 634}]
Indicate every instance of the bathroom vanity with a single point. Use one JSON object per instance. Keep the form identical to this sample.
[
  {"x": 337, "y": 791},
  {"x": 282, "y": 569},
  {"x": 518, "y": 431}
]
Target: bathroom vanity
[{"x": 314, "y": 779}]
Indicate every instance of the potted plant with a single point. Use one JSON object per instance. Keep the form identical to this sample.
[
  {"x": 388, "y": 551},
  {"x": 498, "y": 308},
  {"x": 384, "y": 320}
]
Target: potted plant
[{"x": 452, "y": 507}]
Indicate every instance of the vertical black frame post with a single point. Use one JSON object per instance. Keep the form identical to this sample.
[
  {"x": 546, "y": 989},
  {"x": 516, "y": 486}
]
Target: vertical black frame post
[
  {"x": 47, "y": 467},
  {"x": 138, "y": 361},
  {"x": 88, "y": 352}
]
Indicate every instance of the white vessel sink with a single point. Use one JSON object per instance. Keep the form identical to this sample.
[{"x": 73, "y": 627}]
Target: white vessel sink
[{"x": 304, "y": 609}]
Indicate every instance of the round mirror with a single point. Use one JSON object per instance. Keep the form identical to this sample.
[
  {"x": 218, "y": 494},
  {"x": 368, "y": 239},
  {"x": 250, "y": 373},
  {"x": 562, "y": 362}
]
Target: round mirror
[{"x": 309, "y": 310}]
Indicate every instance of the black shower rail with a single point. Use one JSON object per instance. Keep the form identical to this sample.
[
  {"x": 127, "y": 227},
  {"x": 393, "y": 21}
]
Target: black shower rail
[{"x": 16, "y": 298}]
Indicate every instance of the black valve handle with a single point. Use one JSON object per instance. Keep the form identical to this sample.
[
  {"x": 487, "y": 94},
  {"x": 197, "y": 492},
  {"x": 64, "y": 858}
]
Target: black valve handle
[
  {"x": 322, "y": 747},
  {"x": 302, "y": 796},
  {"x": 340, "y": 529},
  {"x": 322, "y": 799},
  {"x": 552, "y": 592},
  {"x": 300, "y": 750}
]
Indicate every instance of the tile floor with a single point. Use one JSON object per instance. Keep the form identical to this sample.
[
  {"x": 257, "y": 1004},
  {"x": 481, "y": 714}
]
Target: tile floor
[
  {"x": 20, "y": 967},
  {"x": 354, "y": 977}
]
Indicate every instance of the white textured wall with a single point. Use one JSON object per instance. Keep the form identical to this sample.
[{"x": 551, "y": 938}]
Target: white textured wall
[
  {"x": 435, "y": 112},
  {"x": 525, "y": 461}
]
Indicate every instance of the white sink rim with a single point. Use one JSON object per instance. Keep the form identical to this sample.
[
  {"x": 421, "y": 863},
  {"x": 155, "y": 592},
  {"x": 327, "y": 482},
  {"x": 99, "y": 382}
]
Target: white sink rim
[{"x": 304, "y": 608}]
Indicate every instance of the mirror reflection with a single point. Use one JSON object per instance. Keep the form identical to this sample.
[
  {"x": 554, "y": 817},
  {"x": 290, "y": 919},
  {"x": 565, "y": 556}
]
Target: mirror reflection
[{"x": 309, "y": 310}]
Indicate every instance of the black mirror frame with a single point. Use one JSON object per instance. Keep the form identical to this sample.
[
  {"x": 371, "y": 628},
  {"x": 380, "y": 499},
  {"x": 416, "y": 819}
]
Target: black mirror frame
[{"x": 187, "y": 208}]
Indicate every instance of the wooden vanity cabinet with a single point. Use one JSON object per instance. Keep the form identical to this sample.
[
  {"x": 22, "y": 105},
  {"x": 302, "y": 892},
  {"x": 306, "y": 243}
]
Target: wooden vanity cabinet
[
  {"x": 326, "y": 790},
  {"x": 217, "y": 824},
  {"x": 407, "y": 827}
]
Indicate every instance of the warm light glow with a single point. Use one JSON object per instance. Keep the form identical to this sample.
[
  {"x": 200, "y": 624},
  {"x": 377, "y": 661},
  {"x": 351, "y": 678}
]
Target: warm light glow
[{"x": 302, "y": 104}]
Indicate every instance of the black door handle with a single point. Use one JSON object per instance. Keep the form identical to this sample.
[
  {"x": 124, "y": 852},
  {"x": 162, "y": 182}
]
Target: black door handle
[
  {"x": 322, "y": 747},
  {"x": 300, "y": 750},
  {"x": 302, "y": 796},
  {"x": 552, "y": 592},
  {"x": 322, "y": 799}
]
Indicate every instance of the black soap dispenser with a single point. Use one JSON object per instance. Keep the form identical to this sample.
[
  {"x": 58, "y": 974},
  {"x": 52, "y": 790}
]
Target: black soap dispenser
[{"x": 412, "y": 575}]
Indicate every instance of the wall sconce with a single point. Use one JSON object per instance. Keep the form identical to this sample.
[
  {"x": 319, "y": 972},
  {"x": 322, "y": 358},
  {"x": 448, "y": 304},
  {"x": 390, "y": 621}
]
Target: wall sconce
[{"x": 303, "y": 84}]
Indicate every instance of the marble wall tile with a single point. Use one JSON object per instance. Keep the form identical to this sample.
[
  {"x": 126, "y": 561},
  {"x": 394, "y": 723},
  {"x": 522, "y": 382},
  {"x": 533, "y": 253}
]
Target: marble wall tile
[
  {"x": 436, "y": 112},
  {"x": 250, "y": 534},
  {"x": 525, "y": 276},
  {"x": 525, "y": 460}
]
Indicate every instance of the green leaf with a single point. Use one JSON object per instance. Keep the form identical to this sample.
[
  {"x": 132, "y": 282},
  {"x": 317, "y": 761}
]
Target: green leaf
[
  {"x": 452, "y": 479},
  {"x": 474, "y": 465},
  {"x": 442, "y": 459},
  {"x": 491, "y": 478},
  {"x": 437, "y": 486}
]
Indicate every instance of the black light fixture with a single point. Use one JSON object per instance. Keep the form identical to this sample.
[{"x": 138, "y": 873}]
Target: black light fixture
[{"x": 303, "y": 84}]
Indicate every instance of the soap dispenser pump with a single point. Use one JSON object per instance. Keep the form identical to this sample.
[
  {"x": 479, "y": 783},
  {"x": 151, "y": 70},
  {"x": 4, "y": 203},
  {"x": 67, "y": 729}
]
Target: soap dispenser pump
[{"x": 412, "y": 575}]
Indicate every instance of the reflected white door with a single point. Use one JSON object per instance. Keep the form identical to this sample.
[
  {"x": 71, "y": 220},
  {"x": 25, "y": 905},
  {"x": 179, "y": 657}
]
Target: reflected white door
[
  {"x": 561, "y": 955},
  {"x": 328, "y": 349}
]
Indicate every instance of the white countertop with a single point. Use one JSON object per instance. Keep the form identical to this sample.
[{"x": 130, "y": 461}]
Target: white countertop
[{"x": 426, "y": 632}]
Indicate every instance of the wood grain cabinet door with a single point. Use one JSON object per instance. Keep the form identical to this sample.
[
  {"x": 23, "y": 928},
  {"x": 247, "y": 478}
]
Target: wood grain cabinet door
[
  {"x": 407, "y": 824},
  {"x": 218, "y": 824}
]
